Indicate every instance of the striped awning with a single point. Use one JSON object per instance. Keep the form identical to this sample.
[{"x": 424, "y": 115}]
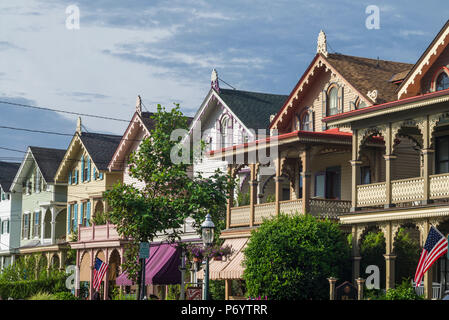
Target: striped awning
[{"x": 231, "y": 268}]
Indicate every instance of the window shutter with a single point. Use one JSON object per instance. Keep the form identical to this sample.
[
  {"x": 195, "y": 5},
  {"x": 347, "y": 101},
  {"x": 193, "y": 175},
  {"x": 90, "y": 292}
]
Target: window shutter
[
  {"x": 7, "y": 226},
  {"x": 75, "y": 216},
  {"x": 88, "y": 214},
  {"x": 69, "y": 217},
  {"x": 81, "y": 212},
  {"x": 1, "y": 224},
  {"x": 70, "y": 177},
  {"x": 82, "y": 169},
  {"x": 341, "y": 91},
  {"x": 324, "y": 108},
  {"x": 313, "y": 121},
  {"x": 88, "y": 169},
  {"x": 76, "y": 176},
  {"x": 101, "y": 175},
  {"x": 95, "y": 174}
]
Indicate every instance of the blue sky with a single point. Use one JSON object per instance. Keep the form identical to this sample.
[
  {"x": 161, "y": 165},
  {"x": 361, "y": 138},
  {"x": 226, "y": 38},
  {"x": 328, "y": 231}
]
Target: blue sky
[{"x": 165, "y": 51}]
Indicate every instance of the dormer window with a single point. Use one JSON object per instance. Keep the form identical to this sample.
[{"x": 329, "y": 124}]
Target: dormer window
[
  {"x": 306, "y": 122},
  {"x": 442, "y": 81}
]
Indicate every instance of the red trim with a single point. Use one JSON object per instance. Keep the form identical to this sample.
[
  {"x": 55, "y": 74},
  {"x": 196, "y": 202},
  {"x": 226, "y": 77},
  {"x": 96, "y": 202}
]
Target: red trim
[
  {"x": 331, "y": 133},
  {"x": 387, "y": 105}
]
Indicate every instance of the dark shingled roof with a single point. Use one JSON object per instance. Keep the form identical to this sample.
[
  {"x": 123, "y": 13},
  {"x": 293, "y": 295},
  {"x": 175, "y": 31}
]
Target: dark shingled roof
[
  {"x": 8, "y": 171},
  {"x": 150, "y": 122},
  {"x": 253, "y": 108},
  {"x": 101, "y": 147},
  {"x": 48, "y": 161},
  {"x": 369, "y": 74}
]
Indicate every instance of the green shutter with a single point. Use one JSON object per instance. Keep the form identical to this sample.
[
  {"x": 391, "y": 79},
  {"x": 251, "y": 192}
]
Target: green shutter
[
  {"x": 81, "y": 212},
  {"x": 75, "y": 216},
  {"x": 88, "y": 168},
  {"x": 88, "y": 213},
  {"x": 82, "y": 169},
  {"x": 7, "y": 225}
]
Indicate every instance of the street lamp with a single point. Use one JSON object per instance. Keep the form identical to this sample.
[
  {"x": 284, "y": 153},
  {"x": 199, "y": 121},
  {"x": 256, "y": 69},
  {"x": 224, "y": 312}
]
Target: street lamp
[{"x": 207, "y": 231}]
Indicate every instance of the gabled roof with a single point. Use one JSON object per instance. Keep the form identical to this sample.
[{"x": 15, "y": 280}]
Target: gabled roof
[
  {"x": 252, "y": 108},
  {"x": 367, "y": 74},
  {"x": 426, "y": 60},
  {"x": 8, "y": 171},
  {"x": 48, "y": 161},
  {"x": 100, "y": 147},
  {"x": 361, "y": 74}
]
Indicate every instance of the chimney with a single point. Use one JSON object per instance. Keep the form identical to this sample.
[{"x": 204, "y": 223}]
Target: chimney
[{"x": 214, "y": 81}]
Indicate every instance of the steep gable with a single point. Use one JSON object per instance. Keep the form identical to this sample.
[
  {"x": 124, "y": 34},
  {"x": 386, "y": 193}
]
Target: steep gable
[{"x": 8, "y": 171}]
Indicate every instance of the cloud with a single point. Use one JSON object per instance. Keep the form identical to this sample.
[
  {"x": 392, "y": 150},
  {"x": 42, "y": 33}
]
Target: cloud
[
  {"x": 5, "y": 45},
  {"x": 407, "y": 33}
]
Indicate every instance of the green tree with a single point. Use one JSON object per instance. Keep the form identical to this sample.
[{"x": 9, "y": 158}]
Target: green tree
[
  {"x": 291, "y": 257},
  {"x": 407, "y": 253},
  {"x": 372, "y": 249},
  {"x": 169, "y": 194}
]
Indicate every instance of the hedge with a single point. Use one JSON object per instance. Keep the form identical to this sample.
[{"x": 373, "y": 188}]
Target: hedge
[{"x": 27, "y": 288}]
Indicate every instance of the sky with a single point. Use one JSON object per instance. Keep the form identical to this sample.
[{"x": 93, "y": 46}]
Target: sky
[{"x": 165, "y": 52}]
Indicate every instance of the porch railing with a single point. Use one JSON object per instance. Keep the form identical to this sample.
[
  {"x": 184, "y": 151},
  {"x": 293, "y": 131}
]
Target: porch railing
[
  {"x": 327, "y": 208},
  {"x": 404, "y": 190},
  {"x": 98, "y": 233}
]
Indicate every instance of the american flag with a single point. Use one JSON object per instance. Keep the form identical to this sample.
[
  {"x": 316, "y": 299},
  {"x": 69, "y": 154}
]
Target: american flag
[
  {"x": 435, "y": 247},
  {"x": 99, "y": 271}
]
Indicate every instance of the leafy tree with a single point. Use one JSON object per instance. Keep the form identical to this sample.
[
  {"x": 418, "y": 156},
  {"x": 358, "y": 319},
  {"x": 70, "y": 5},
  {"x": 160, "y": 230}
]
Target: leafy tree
[
  {"x": 407, "y": 253},
  {"x": 404, "y": 291},
  {"x": 291, "y": 257},
  {"x": 169, "y": 194},
  {"x": 372, "y": 249}
]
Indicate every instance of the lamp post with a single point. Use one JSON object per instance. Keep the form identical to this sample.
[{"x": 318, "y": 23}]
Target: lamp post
[{"x": 207, "y": 233}]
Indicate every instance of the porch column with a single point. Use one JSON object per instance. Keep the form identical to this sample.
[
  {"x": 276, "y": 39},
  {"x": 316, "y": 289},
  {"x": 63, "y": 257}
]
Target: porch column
[
  {"x": 106, "y": 276},
  {"x": 43, "y": 212},
  {"x": 428, "y": 276},
  {"x": 427, "y": 160},
  {"x": 252, "y": 193},
  {"x": 355, "y": 255},
  {"x": 78, "y": 267},
  {"x": 388, "y": 159},
  {"x": 277, "y": 180},
  {"x": 91, "y": 277},
  {"x": 305, "y": 176},
  {"x": 230, "y": 203},
  {"x": 53, "y": 225},
  {"x": 355, "y": 176},
  {"x": 228, "y": 288},
  {"x": 389, "y": 256}
]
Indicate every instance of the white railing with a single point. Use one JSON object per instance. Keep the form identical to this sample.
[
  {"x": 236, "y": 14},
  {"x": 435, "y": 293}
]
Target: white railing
[
  {"x": 264, "y": 210},
  {"x": 406, "y": 190},
  {"x": 326, "y": 208},
  {"x": 439, "y": 186},
  {"x": 291, "y": 206},
  {"x": 371, "y": 194},
  {"x": 240, "y": 216}
]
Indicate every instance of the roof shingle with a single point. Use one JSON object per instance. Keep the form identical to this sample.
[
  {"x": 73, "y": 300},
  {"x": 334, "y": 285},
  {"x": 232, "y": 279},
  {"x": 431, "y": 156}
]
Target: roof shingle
[
  {"x": 101, "y": 147},
  {"x": 8, "y": 171}
]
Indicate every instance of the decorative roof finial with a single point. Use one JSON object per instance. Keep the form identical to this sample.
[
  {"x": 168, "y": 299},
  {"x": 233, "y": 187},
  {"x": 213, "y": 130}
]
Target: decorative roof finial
[
  {"x": 78, "y": 125},
  {"x": 322, "y": 44},
  {"x": 139, "y": 105},
  {"x": 214, "y": 80}
]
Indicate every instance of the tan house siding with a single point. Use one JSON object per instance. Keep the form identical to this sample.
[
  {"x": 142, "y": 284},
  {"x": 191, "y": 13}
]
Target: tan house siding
[{"x": 426, "y": 81}]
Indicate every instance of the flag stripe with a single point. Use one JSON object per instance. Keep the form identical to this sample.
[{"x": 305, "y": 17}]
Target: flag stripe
[{"x": 99, "y": 272}]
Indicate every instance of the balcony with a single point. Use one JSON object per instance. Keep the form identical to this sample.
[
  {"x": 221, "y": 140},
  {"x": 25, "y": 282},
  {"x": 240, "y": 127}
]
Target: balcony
[
  {"x": 321, "y": 208},
  {"x": 98, "y": 233},
  {"x": 403, "y": 191}
]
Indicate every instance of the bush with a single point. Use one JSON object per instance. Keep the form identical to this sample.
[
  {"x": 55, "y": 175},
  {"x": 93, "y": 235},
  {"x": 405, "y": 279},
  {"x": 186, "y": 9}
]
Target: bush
[
  {"x": 27, "y": 288},
  {"x": 64, "y": 295},
  {"x": 404, "y": 291},
  {"x": 291, "y": 257},
  {"x": 42, "y": 296}
]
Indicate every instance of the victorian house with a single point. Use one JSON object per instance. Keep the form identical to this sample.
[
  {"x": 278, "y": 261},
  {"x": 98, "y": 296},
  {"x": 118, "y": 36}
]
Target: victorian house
[
  {"x": 10, "y": 213},
  {"x": 403, "y": 182},
  {"x": 42, "y": 219},
  {"x": 305, "y": 163},
  {"x": 84, "y": 170}
]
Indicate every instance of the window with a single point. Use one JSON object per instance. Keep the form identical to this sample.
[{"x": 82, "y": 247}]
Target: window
[
  {"x": 442, "y": 81},
  {"x": 360, "y": 104},
  {"x": 332, "y": 106},
  {"x": 26, "y": 226},
  {"x": 442, "y": 155},
  {"x": 365, "y": 175},
  {"x": 36, "y": 224},
  {"x": 328, "y": 183},
  {"x": 306, "y": 122},
  {"x": 5, "y": 226},
  {"x": 224, "y": 131}
]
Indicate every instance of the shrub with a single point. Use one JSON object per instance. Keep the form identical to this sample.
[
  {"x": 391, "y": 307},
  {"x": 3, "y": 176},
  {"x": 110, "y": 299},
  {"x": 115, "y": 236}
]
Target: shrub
[
  {"x": 64, "y": 295},
  {"x": 243, "y": 199},
  {"x": 27, "y": 288},
  {"x": 42, "y": 296},
  {"x": 291, "y": 257},
  {"x": 404, "y": 291}
]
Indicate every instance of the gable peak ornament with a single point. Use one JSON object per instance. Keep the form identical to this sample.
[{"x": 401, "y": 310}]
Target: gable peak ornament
[
  {"x": 139, "y": 105},
  {"x": 78, "y": 125},
  {"x": 214, "y": 80},
  {"x": 322, "y": 44},
  {"x": 372, "y": 95}
]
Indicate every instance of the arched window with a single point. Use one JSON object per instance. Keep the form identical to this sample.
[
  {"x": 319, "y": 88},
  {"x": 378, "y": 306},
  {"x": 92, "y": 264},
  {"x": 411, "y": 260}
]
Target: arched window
[
  {"x": 360, "y": 104},
  {"x": 224, "y": 131},
  {"x": 442, "y": 81},
  {"x": 332, "y": 104},
  {"x": 306, "y": 122}
]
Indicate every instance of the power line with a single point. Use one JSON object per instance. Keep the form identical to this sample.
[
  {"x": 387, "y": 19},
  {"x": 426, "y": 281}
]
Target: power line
[{"x": 61, "y": 111}]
